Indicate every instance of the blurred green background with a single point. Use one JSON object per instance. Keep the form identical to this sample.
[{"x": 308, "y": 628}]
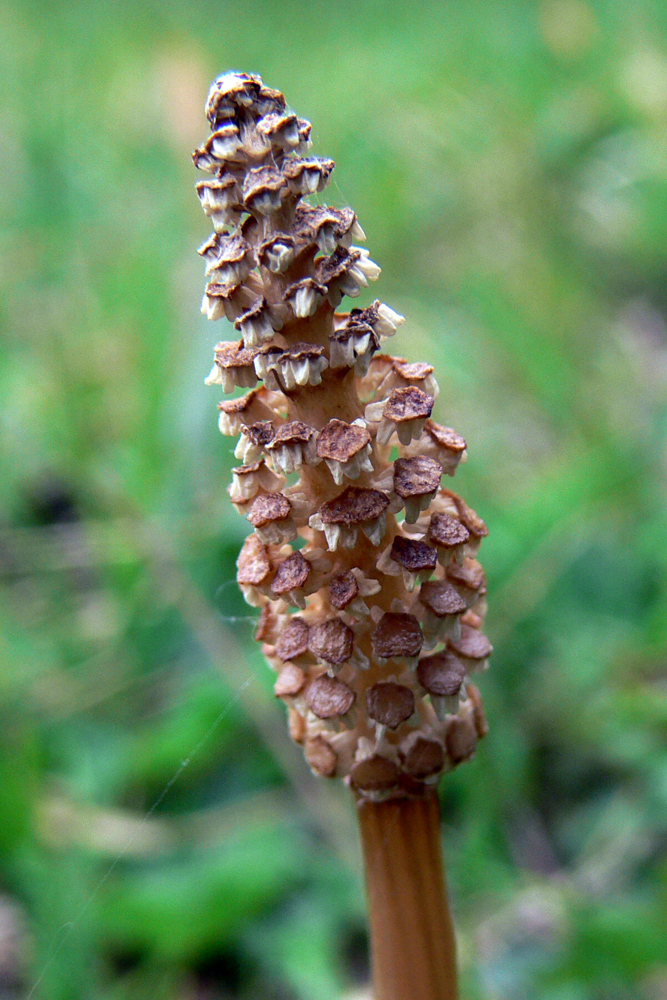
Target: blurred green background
[{"x": 160, "y": 837}]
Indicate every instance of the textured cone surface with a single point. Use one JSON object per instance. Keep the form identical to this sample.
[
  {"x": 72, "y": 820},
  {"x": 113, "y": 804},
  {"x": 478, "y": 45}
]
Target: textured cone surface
[{"x": 363, "y": 567}]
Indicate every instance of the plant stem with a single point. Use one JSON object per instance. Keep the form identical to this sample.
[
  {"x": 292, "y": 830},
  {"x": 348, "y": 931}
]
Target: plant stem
[{"x": 412, "y": 935}]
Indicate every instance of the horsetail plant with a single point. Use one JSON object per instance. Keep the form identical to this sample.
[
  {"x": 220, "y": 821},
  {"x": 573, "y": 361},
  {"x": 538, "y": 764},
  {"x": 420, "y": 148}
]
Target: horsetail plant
[{"x": 363, "y": 565}]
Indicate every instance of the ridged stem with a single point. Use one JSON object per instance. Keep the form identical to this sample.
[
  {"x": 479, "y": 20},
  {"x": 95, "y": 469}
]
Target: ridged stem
[{"x": 412, "y": 935}]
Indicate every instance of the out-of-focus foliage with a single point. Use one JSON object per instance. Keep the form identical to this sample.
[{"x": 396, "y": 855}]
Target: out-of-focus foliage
[{"x": 160, "y": 837}]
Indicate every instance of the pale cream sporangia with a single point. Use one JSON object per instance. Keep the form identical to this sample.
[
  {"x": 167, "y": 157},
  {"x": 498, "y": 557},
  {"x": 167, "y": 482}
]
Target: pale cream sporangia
[{"x": 364, "y": 566}]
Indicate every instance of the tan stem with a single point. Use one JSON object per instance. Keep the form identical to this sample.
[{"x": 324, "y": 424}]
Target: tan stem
[{"x": 412, "y": 936}]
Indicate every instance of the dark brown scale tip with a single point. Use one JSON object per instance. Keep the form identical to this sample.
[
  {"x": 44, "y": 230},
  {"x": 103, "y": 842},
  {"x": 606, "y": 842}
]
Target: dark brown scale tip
[
  {"x": 295, "y": 166},
  {"x": 303, "y": 350},
  {"x": 230, "y": 354},
  {"x": 215, "y": 290},
  {"x": 370, "y": 315},
  {"x": 291, "y": 574},
  {"x": 412, "y": 555},
  {"x": 445, "y": 437},
  {"x": 240, "y": 404},
  {"x": 327, "y": 697},
  {"x": 331, "y": 640},
  {"x": 305, "y": 128},
  {"x": 222, "y": 183},
  {"x": 473, "y": 644},
  {"x": 447, "y": 532},
  {"x": 294, "y": 432},
  {"x": 277, "y": 121},
  {"x": 472, "y": 520},
  {"x": 269, "y": 95},
  {"x": 232, "y": 249},
  {"x": 267, "y": 508},
  {"x": 253, "y": 563},
  {"x": 258, "y": 307},
  {"x": 251, "y": 230},
  {"x": 390, "y": 704},
  {"x": 321, "y": 757},
  {"x": 213, "y": 243},
  {"x": 309, "y": 219},
  {"x": 353, "y": 506},
  {"x": 408, "y": 404},
  {"x": 340, "y": 441},
  {"x": 272, "y": 351},
  {"x": 202, "y": 159},
  {"x": 470, "y": 575},
  {"x": 284, "y": 239},
  {"x": 440, "y": 597},
  {"x": 248, "y": 470},
  {"x": 441, "y": 675},
  {"x": 424, "y": 758},
  {"x": 397, "y": 634},
  {"x": 337, "y": 264},
  {"x": 343, "y": 589},
  {"x": 460, "y": 738},
  {"x": 221, "y": 130},
  {"x": 260, "y": 180},
  {"x": 351, "y": 329},
  {"x": 260, "y": 433},
  {"x": 289, "y": 682},
  {"x": 415, "y": 477},
  {"x": 375, "y": 774},
  {"x": 416, "y": 371},
  {"x": 273, "y": 123},
  {"x": 293, "y": 639},
  {"x": 481, "y": 725},
  {"x": 297, "y": 286},
  {"x": 346, "y": 219}
]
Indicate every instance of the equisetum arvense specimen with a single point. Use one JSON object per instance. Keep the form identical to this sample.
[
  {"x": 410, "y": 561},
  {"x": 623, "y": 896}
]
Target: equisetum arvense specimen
[{"x": 363, "y": 565}]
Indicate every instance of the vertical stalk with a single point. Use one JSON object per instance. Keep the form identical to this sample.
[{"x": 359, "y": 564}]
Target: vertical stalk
[
  {"x": 347, "y": 615},
  {"x": 412, "y": 935}
]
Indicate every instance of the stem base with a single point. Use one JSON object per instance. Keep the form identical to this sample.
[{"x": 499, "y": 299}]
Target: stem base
[{"x": 412, "y": 935}]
